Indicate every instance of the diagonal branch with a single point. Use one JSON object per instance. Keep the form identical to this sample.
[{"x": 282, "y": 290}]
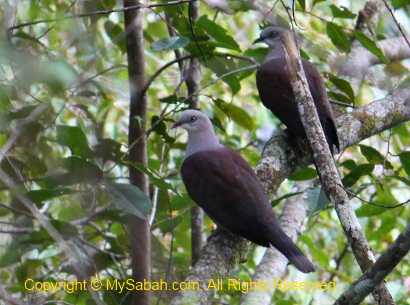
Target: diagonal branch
[
  {"x": 326, "y": 167},
  {"x": 378, "y": 271}
]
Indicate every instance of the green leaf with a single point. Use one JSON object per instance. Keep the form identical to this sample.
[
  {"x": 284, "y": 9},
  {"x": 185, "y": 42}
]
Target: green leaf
[
  {"x": 342, "y": 12},
  {"x": 305, "y": 173},
  {"x": 302, "y": 4},
  {"x": 173, "y": 99},
  {"x": 38, "y": 196},
  {"x": 223, "y": 66},
  {"x": 65, "y": 228},
  {"x": 316, "y": 200},
  {"x": 74, "y": 138},
  {"x": 338, "y": 37},
  {"x": 405, "y": 161},
  {"x": 361, "y": 170},
  {"x": 370, "y": 45},
  {"x": 78, "y": 171},
  {"x": 343, "y": 86},
  {"x": 374, "y": 156},
  {"x": 237, "y": 114},
  {"x": 130, "y": 199},
  {"x": 116, "y": 34},
  {"x": 221, "y": 36},
  {"x": 367, "y": 210},
  {"x": 159, "y": 182},
  {"x": 316, "y": 2},
  {"x": 108, "y": 149},
  {"x": 399, "y": 3},
  {"x": 160, "y": 128},
  {"x": 170, "y": 43}
]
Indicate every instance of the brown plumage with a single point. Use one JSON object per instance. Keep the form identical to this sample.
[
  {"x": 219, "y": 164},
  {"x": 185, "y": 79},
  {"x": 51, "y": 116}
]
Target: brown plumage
[
  {"x": 223, "y": 184},
  {"x": 276, "y": 93}
]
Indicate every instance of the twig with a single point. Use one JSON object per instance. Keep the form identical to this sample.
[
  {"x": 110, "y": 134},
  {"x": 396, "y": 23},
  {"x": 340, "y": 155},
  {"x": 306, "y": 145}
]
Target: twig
[{"x": 103, "y": 12}]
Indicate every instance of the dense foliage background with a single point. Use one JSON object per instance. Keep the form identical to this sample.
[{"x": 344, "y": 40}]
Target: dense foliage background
[{"x": 64, "y": 100}]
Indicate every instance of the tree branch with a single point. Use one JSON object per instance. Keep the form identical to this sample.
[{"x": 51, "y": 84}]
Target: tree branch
[
  {"x": 326, "y": 167},
  {"x": 378, "y": 271}
]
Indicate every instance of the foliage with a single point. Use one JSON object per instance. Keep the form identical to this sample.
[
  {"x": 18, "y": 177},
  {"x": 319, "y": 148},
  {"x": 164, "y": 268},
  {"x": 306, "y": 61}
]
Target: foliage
[{"x": 63, "y": 138}]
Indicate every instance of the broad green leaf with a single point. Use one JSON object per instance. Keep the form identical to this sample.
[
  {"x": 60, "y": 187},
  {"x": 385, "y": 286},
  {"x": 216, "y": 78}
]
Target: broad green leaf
[
  {"x": 237, "y": 114},
  {"x": 374, "y": 156},
  {"x": 221, "y": 36},
  {"x": 349, "y": 164},
  {"x": 316, "y": 2},
  {"x": 77, "y": 171},
  {"x": 361, "y": 170},
  {"x": 222, "y": 66},
  {"x": 370, "y": 45},
  {"x": 302, "y": 4},
  {"x": 116, "y": 34},
  {"x": 338, "y": 36},
  {"x": 108, "y": 149},
  {"x": 343, "y": 86},
  {"x": 316, "y": 200},
  {"x": 305, "y": 173},
  {"x": 38, "y": 196},
  {"x": 341, "y": 12},
  {"x": 170, "y": 43},
  {"x": 405, "y": 161},
  {"x": 169, "y": 223},
  {"x": 74, "y": 138},
  {"x": 130, "y": 199},
  {"x": 159, "y": 182},
  {"x": 65, "y": 228},
  {"x": 399, "y": 3},
  {"x": 160, "y": 128},
  {"x": 367, "y": 210}
]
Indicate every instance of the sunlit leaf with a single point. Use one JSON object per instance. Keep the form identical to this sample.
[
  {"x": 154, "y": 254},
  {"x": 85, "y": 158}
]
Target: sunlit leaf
[
  {"x": 370, "y": 45},
  {"x": 405, "y": 161},
  {"x": 361, "y": 170},
  {"x": 237, "y": 114},
  {"x": 341, "y": 12},
  {"x": 338, "y": 36},
  {"x": 305, "y": 173}
]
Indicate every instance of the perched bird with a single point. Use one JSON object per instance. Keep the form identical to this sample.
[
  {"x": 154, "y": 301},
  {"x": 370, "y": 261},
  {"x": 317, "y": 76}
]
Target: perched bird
[
  {"x": 224, "y": 185},
  {"x": 276, "y": 93}
]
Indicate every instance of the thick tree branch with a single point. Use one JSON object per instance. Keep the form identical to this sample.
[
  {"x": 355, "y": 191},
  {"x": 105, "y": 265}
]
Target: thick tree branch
[
  {"x": 281, "y": 156},
  {"x": 326, "y": 167},
  {"x": 378, "y": 271},
  {"x": 139, "y": 229}
]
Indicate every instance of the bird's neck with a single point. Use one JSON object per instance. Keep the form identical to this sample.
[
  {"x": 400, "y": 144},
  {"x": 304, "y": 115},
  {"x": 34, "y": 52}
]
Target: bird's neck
[
  {"x": 276, "y": 52},
  {"x": 200, "y": 142}
]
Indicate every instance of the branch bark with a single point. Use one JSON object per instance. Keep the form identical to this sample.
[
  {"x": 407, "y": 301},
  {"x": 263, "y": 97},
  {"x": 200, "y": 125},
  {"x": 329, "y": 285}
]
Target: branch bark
[
  {"x": 327, "y": 168},
  {"x": 139, "y": 228},
  {"x": 378, "y": 271},
  {"x": 192, "y": 77}
]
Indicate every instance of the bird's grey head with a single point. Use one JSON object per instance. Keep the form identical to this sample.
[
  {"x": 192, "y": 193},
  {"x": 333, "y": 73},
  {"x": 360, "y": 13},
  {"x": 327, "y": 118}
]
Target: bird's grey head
[
  {"x": 193, "y": 121},
  {"x": 201, "y": 135},
  {"x": 271, "y": 36}
]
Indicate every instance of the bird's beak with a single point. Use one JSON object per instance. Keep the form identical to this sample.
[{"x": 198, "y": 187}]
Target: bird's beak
[
  {"x": 175, "y": 125},
  {"x": 259, "y": 39}
]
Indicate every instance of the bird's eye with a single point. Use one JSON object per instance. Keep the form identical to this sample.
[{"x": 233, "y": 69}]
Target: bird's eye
[
  {"x": 272, "y": 34},
  {"x": 192, "y": 119}
]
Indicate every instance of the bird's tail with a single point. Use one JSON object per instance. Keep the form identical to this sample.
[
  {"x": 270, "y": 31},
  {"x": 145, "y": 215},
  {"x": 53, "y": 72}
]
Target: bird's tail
[{"x": 288, "y": 248}]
